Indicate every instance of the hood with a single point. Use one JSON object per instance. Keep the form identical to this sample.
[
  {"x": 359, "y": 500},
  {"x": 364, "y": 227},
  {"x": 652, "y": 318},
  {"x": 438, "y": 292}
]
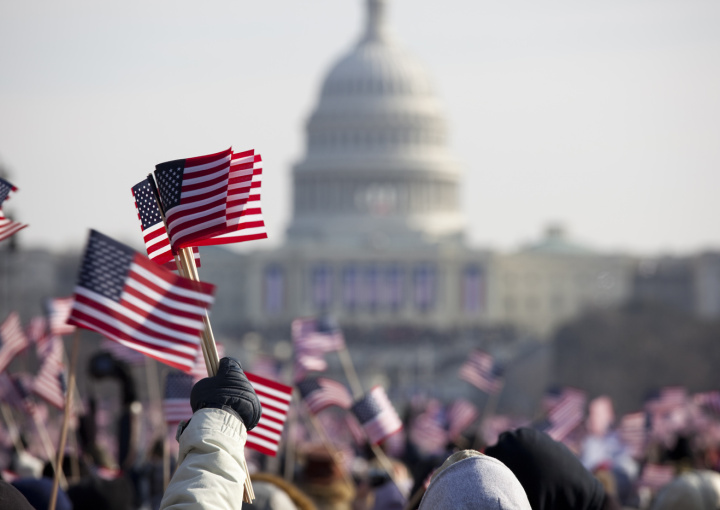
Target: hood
[
  {"x": 471, "y": 480},
  {"x": 552, "y": 476}
]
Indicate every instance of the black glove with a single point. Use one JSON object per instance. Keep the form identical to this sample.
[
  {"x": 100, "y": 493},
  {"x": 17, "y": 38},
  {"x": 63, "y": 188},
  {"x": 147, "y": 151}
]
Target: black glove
[{"x": 229, "y": 390}]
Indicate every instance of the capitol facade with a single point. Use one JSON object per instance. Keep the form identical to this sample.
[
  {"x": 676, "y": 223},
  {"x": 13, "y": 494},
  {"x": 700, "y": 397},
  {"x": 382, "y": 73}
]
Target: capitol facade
[{"x": 376, "y": 236}]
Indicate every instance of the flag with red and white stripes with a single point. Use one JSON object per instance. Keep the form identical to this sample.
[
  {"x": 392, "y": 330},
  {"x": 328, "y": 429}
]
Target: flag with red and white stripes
[
  {"x": 306, "y": 362},
  {"x": 275, "y": 400},
  {"x": 49, "y": 383},
  {"x": 12, "y": 340},
  {"x": 633, "y": 432},
  {"x": 460, "y": 415},
  {"x": 427, "y": 430},
  {"x": 193, "y": 192},
  {"x": 58, "y": 313},
  {"x": 566, "y": 413},
  {"x": 316, "y": 336},
  {"x": 7, "y": 227},
  {"x": 130, "y": 299},
  {"x": 243, "y": 213},
  {"x": 176, "y": 402},
  {"x": 311, "y": 339},
  {"x": 709, "y": 400},
  {"x": 37, "y": 332},
  {"x": 157, "y": 243},
  {"x": 377, "y": 415},
  {"x": 9, "y": 393},
  {"x": 481, "y": 371},
  {"x": 320, "y": 393}
]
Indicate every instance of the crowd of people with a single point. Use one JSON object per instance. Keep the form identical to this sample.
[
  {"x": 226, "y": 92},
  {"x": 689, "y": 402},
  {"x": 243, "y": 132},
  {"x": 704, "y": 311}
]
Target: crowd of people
[{"x": 322, "y": 467}]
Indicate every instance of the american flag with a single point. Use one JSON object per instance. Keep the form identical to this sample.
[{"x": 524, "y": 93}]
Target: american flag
[
  {"x": 460, "y": 415},
  {"x": 316, "y": 336},
  {"x": 130, "y": 299},
  {"x": 37, "y": 332},
  {"x": 58, "y": 313},
  {"x": 656, "y": 476},
  {"x": 194, "y": 195},
  {"x": 13, "y": 340},
  {"x": 243, "y": 214},
  {"x": 307, "y": 362},
  {"x": 157, "y": 243},
  {"x": 275, "y": 400},
  {"x": 566, "y": 413},
  {"x": 321, "y": 392},
  {"x": 176, "y": 404},
  {"x": 481, "y": 371},
  {"x": 312, "y": 338},
  {"x": 9, "y": 393},
  {"x": 709, "y": 400},
  {"x": 7, "y": 227},
  {"x": 427, "y": 430},
  {"x": 50, "y": 381},
  {"x": 23, "y": 384},
  {"x": 377, "y": 415},
  {"x": 633, "y": 433},
  {"x": 670, "y": 398}
]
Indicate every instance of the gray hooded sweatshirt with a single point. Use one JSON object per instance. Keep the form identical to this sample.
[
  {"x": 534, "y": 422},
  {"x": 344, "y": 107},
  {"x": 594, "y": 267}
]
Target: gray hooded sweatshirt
[{"x": 471, "y": 480}]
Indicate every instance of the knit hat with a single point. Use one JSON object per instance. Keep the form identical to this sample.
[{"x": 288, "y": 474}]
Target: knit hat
[
  {"x": 553, "y": 478},
  {"x": 471, "y": 480}
]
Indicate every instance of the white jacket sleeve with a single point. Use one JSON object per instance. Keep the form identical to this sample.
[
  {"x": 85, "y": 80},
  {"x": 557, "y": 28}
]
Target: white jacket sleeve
[{"x": 209, "y": 473}]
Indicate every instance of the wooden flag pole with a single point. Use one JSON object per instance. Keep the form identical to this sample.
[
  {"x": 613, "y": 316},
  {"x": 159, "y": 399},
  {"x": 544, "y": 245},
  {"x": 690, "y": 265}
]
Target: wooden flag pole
[
  {"x": 385, "y": 463},
  {"x": 66, "y": 420},
  {"x": 350, "y": 373},
  {"x": 47, "y": 445},
  {"x": 187, "y": 268}
]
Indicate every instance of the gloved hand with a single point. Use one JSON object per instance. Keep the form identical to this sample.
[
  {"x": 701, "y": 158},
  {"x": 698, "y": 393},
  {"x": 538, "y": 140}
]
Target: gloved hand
[{"x": 229, "y": 390}]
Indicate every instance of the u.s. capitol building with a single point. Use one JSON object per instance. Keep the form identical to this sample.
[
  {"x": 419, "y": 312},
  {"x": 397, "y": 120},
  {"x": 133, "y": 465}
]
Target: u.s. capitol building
[{"x": 376, "y": 236}]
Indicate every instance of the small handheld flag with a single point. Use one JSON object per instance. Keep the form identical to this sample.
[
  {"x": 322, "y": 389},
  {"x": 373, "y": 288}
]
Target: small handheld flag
[
  {"x": 7, "y": 227},
  {"x": 130, "y": 299}
]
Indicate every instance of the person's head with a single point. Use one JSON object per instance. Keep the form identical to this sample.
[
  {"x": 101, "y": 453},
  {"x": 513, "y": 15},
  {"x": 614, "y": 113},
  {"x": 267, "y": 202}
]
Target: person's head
[
  {"x": 552, "y": 476},
  {"x": 470, "y": 480},
  {"x": 692, "y": 490}
]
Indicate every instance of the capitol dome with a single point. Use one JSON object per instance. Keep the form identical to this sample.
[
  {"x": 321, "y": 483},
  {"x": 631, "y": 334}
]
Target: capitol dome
[{"x": 377, "y": 168}]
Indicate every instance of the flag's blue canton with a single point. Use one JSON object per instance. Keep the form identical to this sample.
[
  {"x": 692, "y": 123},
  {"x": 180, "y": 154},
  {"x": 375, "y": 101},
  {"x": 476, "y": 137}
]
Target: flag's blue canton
[
  {"x": 366, "y": 409},
  {"x": 178, "y": 385},
  {"x": 5, "y": 189},
  {"x": 169, "y": 177},
  {"x": 105, "y": 266},
  {"x": 326, "y": 324},
  {"x": 146, "y": 204},
  {"x": 22, "y": 389},
  {"x": 62, "y": 381},
  {"x": 307, "y": 386}
]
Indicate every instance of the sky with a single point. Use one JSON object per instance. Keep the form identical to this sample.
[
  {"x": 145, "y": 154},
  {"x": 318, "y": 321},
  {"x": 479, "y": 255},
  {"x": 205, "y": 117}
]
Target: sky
[{"x": 601, "y": 116}]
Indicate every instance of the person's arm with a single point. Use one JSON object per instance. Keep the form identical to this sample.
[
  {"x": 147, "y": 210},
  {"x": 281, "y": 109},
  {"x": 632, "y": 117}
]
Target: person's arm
[{"x": 210, "y": 472}]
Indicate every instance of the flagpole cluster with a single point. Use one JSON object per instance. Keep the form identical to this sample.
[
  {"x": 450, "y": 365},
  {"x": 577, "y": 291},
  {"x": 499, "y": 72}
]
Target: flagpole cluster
[{"x": 185, "y": 260}]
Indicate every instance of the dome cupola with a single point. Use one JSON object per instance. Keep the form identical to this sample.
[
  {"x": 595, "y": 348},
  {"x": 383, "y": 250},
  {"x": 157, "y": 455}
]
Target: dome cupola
[{"x": 377, "y": 164}]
